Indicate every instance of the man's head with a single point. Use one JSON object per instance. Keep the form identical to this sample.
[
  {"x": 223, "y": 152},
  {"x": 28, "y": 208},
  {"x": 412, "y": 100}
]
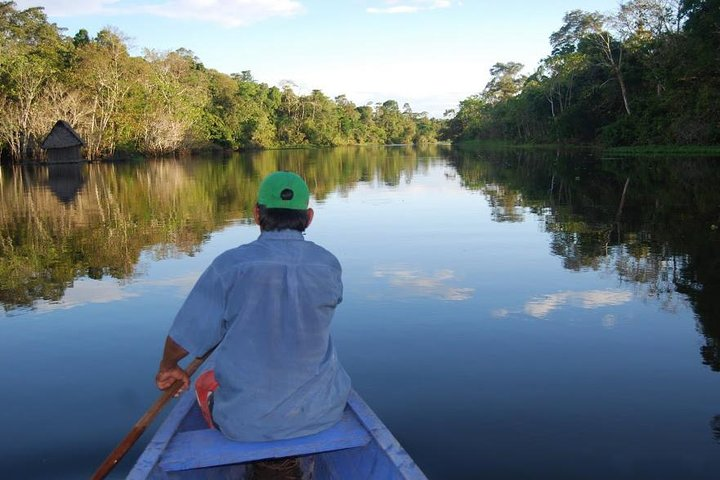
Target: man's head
[{"x": 283, "y": 203}]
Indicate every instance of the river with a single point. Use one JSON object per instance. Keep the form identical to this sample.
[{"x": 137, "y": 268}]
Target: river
[{"x": 507, "y": 313}]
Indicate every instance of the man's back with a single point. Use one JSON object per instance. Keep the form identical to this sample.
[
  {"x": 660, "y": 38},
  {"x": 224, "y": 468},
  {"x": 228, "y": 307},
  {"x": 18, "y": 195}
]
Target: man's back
[{"x": 272, "y": 301}]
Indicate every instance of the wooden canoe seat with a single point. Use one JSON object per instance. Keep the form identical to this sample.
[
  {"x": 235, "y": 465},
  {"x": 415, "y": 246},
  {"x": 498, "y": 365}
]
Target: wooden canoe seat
[{"x": 196, "y": 446}]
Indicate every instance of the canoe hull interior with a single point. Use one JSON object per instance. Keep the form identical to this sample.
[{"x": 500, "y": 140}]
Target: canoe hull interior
[
  {"x": 358, "y": 447},
  {"x": 348, "y": 464}
]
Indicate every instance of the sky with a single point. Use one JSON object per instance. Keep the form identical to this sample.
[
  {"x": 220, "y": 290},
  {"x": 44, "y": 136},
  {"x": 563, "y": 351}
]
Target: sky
[{"x": 430, "y": 54}]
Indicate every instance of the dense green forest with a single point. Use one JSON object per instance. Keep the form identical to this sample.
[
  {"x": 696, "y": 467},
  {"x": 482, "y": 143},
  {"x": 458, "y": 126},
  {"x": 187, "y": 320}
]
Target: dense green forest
[
  {"x": 648, "y": 73},
  {"x": 165, "y": 102}
]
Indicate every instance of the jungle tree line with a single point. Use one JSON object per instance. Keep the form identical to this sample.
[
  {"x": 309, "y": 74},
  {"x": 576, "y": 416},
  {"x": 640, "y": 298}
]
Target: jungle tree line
[
  {"x": 648, "y": 73},
  {"x": 163, "y": 102}
]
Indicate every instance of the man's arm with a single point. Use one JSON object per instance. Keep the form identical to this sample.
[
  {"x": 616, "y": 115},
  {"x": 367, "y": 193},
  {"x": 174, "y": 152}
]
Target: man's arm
[{"x": 169, "y": 370}]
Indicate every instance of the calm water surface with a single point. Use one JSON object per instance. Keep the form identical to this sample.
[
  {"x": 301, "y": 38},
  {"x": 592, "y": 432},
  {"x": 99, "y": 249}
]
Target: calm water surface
[{"x": 507, "y": 314}]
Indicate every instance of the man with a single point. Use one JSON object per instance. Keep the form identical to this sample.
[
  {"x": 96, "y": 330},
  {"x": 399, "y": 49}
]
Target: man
[{"x": 267, "y": 305}]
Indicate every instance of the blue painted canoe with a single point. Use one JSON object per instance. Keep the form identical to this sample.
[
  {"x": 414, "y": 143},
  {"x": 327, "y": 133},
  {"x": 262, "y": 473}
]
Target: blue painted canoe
[{"x": 357, "y": 447}]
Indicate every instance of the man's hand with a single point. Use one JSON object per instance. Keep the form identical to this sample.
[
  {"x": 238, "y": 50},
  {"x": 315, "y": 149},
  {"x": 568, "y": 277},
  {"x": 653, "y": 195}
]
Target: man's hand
[
  {"x": 169, "y": 370},
  {"x": 166, "y": 377}
]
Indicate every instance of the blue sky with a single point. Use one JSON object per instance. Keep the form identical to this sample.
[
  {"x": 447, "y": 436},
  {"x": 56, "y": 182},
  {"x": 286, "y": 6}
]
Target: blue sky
[{"x": 428, "y": 53}]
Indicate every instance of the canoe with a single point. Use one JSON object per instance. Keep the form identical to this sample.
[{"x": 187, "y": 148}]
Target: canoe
[{"x": 359, "y": 446}]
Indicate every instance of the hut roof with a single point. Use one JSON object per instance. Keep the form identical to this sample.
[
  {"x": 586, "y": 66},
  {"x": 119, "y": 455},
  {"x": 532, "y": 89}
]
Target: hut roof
[{"x": 62, "y": 135}]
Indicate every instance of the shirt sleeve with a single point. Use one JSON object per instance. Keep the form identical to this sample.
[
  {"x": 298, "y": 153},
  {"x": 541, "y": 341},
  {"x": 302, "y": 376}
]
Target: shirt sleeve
[{"x": 200, "y": 323}]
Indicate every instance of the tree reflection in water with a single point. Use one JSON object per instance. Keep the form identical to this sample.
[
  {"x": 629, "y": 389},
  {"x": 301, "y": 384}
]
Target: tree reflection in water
[
  {"x": 653, "y": 222},
  {"x": 95, "y": 221},
  {"x": 715, "y": 426}
]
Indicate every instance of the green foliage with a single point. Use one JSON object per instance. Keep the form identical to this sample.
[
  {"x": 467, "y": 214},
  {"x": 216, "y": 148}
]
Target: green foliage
[
  {"x": 506, "y": 82},
  {"x": 648, "y": 74},
  {"x": 469, "y": 119},
  {"x": 163, "y": 102},
  {"x": 81, "y": 38},
  {"x": 399, "y": 127},
  {"x": 32, "y": 53}
]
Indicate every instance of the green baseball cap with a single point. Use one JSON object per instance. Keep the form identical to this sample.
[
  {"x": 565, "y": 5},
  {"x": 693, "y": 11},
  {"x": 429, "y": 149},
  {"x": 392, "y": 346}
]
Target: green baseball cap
[{"x": 284, "y": 190}]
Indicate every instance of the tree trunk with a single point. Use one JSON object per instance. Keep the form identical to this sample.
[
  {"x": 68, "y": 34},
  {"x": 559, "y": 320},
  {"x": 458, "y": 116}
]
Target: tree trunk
[
  {"x": 604, "y": 41},
  {"x": 623, "y": 90}
]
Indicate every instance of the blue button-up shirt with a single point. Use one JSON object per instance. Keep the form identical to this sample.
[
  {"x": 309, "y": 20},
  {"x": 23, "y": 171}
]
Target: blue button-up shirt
[{"x": 270, "y": 302}]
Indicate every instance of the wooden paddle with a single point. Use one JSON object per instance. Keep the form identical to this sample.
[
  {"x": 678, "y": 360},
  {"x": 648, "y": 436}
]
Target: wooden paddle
[{"x": 140, "y": 426}]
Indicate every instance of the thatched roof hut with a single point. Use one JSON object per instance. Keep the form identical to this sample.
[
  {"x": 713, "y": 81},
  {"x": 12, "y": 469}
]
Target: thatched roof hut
[{"x": 63, "y": 144}]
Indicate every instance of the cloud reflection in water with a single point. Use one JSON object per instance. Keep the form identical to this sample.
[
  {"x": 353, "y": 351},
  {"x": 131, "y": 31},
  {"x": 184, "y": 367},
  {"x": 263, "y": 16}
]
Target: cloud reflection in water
[
  {"x": 590, "y": 299},
  {"x": 541, "y": 307},
  {"x": 415, "y": 283},
  {"x": 87, "y": 291}
]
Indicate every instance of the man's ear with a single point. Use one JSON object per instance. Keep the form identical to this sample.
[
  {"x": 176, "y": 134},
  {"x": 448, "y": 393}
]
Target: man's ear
[
  {"x": 310, "y": 216},
  {"x": 256, "y": 214}
]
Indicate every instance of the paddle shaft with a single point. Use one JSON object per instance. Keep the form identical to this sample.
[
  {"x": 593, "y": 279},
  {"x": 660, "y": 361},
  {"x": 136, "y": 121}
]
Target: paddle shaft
[{"x": 142, "y": 424}]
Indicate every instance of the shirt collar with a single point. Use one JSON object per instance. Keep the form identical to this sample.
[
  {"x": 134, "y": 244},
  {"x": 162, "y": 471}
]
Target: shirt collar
[{"x": 282, "y": 235}]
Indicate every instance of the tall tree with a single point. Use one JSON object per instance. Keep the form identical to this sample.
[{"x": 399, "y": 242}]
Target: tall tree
[
  {"x": 176, "y": 97},
  {"x": 506, "y": 82},
  {"x": 103, "y": 73},
  {"x": 321, "y": 126},
  {"x": 649, "y": 17},
  {"x": 591, "y": 28},
  {"x": 32, "y": 52}
]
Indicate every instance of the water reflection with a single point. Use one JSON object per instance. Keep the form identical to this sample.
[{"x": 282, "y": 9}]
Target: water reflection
[
  {"x": 69, "y": 222},
  {"x": 541, "y": 307},
  {"x": 715, "y": 427},
  {"x": 48, "y": 240},
  {"x": 87, "y": 290},
  {"x": 653, "y": 224},
  {"x": 65, "y": 180},
  {"x": 416, "y": 283},
  {"x": 571, "y": 350}
]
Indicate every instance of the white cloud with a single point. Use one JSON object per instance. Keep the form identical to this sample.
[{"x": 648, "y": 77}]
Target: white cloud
[
  {"x": 67, "y": 8},
  {"x": 409, "y": 6},
  {"x": 408, "y": 80},
  {"x": 425, "y": 285},
  {"x": 398, "y": 9},
  {"x": 229, "y": 13},
  {"x": 591, "y": 299}
]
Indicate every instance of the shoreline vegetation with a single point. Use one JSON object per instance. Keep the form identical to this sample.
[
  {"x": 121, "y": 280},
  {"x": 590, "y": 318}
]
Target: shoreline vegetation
[
  {"x": 634, "y": 151},
  {"x": 644, "y": 79},
  {"x": 675, "y": 150},
  {"x": 645, "y": 74},
  {"x": 164, "y": 103}
]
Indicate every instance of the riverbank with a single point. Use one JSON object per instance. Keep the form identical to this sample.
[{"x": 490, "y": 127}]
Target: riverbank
[
  {"x": 638, "y": 150},
  {"x": 675, "y": 150}
]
